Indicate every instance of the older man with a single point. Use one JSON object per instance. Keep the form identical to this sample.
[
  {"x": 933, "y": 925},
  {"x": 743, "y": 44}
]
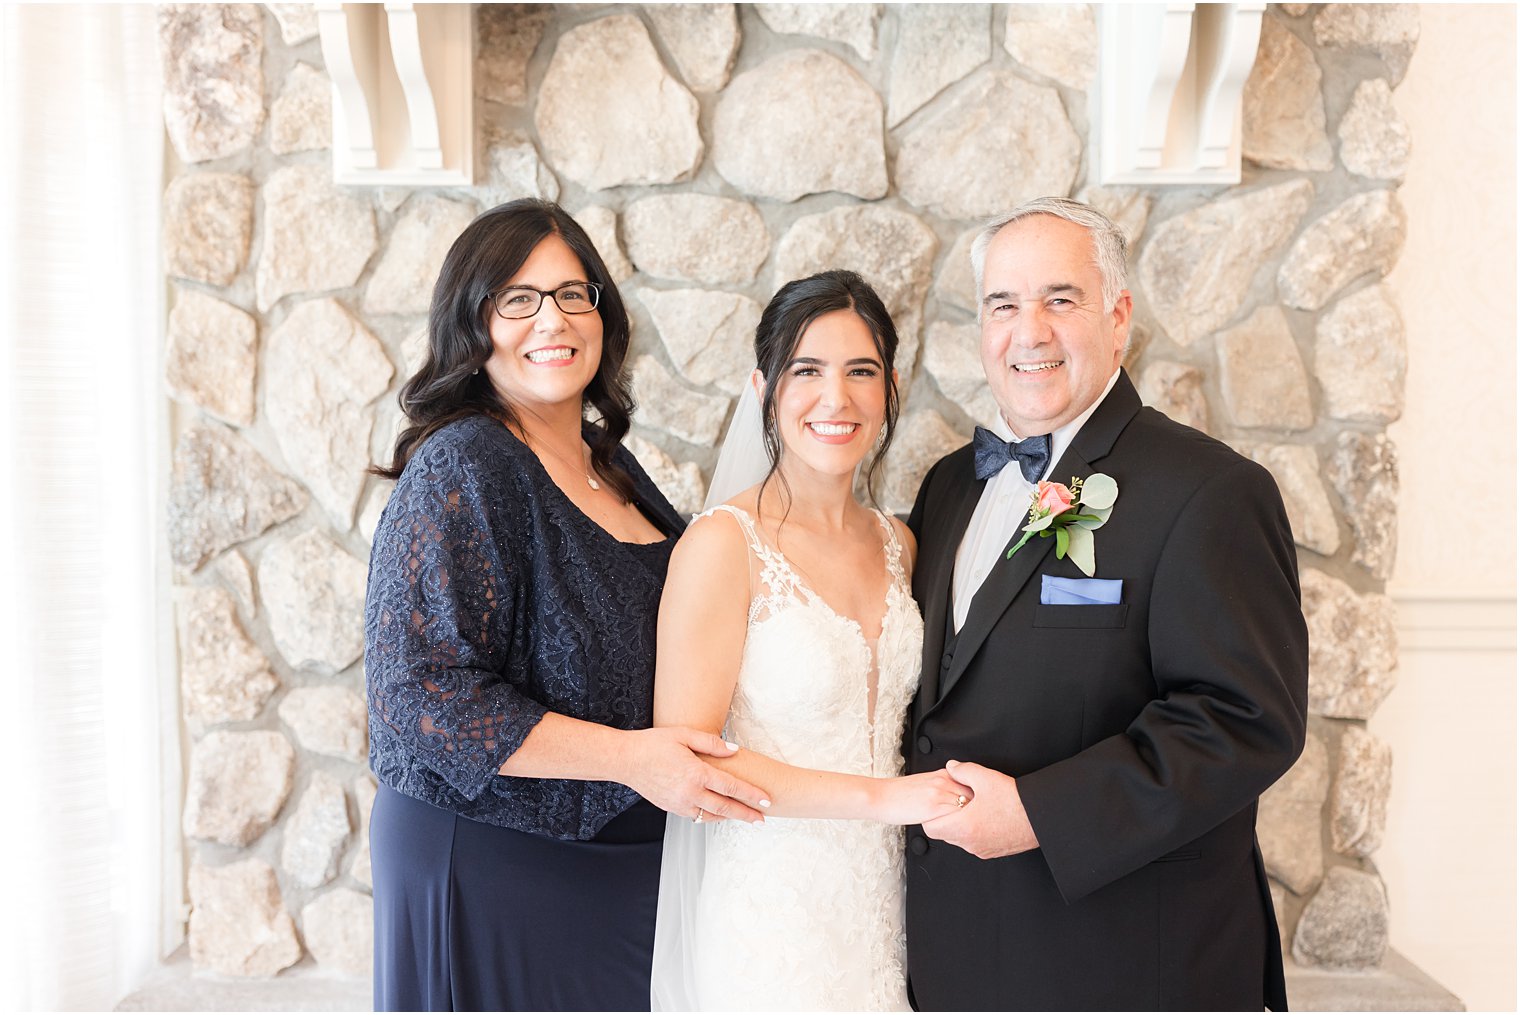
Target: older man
[{"x": 1115, "y": 728}]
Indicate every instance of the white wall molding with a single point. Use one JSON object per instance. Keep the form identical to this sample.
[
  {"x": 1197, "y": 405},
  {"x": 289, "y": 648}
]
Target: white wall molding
[
  {"x": 403, "y": 97},
  {"x": 1170, "y": 79},
  {"x": 1432, "y": 621}
]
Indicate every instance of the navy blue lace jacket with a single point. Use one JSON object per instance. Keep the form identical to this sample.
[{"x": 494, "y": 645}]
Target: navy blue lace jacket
[{"x": 492, "y": 600}]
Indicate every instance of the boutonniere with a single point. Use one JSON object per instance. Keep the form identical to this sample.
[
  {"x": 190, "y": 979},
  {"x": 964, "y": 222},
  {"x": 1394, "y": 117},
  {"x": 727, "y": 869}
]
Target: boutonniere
[{"x": 1071, "y": 513}]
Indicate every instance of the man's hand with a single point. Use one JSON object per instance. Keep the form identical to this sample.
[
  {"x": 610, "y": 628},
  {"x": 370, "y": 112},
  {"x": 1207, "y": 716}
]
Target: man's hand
[{"x": 993, "y": 824}]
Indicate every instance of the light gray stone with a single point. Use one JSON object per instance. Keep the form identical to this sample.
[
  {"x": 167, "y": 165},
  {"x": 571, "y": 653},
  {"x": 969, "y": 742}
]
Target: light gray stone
[
  {"x": 402, "y": 283},
  {"x": 327, "y": 719},
  {"x": 609, "y": 113},
  {"x": 600, "y": 224},
  {"x": 696, "y": 238},
  {"x": 852, "y": 24},
  {"x": 1261, "y": 374},
  {"x": 1296, "y": 469},
  {"x": 1389, "y": 30},
  {"x": 234, "y": 570},
  {"x": 238, "y": 782},
  {"x": 374, "y": 504},
  {"x": 937, "y": 45},
  {"x": 1375, "y": 140},
  {"x": 922, "y": 439},
  {"x": 768, "y": 144},
  {"x": 1280, "y": 907},
  {"x": 952, "y": 355},
  {"x": 316, "y": 235},
  {"x": 1058, "y": 41},
  {"x": 1362, "y": 235},
  {"x": 1365, "y": 472},
  {"x": 211, "y": 361},
  {"x": 956, "y": 284},
  {"x": 1282, "y": 110},
  {"x": 213, "y": 81},
  {"x": 322, "y": 369},
  {"x": 313, "y": 593},
  {"x": 998, "y": 142},
  {"x": 1135, "y": 344},
  {"x": 391, "y": 198},
  {"x": 298, "y": 22},
  {"x": 1288, "y": 820},
  {"x": 339, "y": 929},
  {"x": 1197, "y": 267},
  {"x": 682, "y": 483},
  {"x": 1359, "y": 357},
  {"x": 514, "y": 170},
  {"x": 892, "y": 250},
  {"x": 709, "y": 335},
  {"x": 1177, "y": 390},
  {"x": 238, "y": 924},
  {"x": 1359, "y": 804},
  {"x": 1395, "y": 985},
  {"x": 1128, "y": 207},
  {"x": 1353, "y": 647},
  {"x": 221, "y": 493},
  {"x": 505, "y": 37},
  {"x": 1345, "y": 925},
  {"x": 223, "y": 676},
  {"x": 703, "y": 39},
  {"x": 301, "y": 118},
  {"x": 665, "y": 404},
  {"x": 364, "y": 799},
  {"x": 208, "y": 221},
  {"x": 1295, "y": 10},
  {"x": 314, "y": 835}
]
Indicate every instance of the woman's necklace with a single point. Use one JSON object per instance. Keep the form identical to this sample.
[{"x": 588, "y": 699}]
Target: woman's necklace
[{"x": 590, "y": 480}]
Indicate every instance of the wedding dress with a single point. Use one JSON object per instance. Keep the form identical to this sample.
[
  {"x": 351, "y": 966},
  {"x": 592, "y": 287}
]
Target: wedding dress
[{"x": 800, "y": 914}]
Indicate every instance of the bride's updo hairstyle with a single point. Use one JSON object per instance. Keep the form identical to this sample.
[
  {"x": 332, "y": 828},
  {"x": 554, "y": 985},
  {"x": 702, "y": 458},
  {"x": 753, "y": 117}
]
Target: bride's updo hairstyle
[
  {"x": 452, "y": 383},
  {"x": 789, "y": 314}
]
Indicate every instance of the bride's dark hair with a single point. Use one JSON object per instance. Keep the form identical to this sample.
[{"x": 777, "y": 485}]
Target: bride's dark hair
[
  {"x": 451, "y": 385},
  {"x": 788, "y": 315}
]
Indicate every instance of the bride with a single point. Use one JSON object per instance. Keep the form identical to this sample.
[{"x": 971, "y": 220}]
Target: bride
[{"x": 788, "y": 623}]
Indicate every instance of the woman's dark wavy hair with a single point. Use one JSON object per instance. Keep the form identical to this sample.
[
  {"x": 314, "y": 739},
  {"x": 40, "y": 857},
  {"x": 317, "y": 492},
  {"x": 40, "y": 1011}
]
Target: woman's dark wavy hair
[
  {"x": 448, "y": 387},
  {"x": 789, "y": 314}
]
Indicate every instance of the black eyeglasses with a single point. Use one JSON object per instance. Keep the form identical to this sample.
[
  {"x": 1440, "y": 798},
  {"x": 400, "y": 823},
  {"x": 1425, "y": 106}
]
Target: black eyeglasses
[{"x": 518, "y": 301}]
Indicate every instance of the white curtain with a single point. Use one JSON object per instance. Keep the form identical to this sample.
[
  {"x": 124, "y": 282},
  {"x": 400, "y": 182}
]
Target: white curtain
[{"x": 87, "y": 748}]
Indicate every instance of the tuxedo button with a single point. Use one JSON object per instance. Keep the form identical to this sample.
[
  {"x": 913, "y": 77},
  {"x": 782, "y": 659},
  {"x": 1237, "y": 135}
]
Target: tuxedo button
[
  {"x": 919, "y": 845},
  {"x": 946, "y": 659},
  {"x": 924, "y": 745}
]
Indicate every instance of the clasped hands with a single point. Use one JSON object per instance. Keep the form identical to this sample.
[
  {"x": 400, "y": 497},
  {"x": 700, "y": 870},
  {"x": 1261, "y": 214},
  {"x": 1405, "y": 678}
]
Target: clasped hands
[{"x": 992, "y": 823}]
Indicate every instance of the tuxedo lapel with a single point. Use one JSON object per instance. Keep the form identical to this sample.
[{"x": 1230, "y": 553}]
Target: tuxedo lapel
[
  {"x": 1008, "y": 578},
  {"x": 965, "y": 490}
]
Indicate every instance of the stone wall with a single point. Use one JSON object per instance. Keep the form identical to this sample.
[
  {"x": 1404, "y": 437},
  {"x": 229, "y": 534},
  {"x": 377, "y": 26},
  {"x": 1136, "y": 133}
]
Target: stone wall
[{"x": 713, "y": 152}]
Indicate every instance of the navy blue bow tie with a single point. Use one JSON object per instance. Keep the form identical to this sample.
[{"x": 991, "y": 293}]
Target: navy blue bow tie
[{"x": 993, "y": 453}]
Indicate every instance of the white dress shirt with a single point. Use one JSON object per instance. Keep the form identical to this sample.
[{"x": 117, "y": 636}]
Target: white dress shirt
[{"x": 1002, "y": 511}]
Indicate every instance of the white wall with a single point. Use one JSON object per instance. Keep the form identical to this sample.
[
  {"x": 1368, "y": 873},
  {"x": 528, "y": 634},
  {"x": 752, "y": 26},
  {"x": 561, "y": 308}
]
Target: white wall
[{"x": 1449, "y": 856}]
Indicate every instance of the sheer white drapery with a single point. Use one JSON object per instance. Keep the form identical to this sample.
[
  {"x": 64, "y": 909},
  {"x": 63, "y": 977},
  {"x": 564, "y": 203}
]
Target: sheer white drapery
[{"x": 81, "y": 296}]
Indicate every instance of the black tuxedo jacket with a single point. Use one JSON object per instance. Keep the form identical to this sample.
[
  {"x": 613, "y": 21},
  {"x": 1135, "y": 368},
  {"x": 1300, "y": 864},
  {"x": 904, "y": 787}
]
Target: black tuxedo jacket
[{"x": 1141, "y": 735}]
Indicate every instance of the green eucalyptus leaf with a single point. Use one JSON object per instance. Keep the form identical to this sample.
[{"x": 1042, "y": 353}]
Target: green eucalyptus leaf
[
  {"x": 1042, "y": 522},
  {"x": 1081, "y": 550},
  {"x": 1063, "y": 540},
  {"x": 1099, "y": 491}
]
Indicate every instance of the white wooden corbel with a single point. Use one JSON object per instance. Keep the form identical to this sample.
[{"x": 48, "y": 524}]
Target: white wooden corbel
[
  {"x": 1170, "y": 79},
  {"x": 403, "y": 98}
]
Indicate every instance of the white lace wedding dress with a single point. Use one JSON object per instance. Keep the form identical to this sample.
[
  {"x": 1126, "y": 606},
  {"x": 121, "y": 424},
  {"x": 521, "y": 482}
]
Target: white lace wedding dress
[{"x": 808, "y": 914}]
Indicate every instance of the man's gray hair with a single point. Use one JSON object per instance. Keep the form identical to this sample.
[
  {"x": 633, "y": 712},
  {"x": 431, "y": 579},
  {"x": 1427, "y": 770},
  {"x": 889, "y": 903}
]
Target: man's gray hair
[{"x": 1109, "y": 246}]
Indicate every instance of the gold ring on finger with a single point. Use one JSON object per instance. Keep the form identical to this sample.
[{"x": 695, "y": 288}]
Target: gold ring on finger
[{"x": 698, "y": 819}]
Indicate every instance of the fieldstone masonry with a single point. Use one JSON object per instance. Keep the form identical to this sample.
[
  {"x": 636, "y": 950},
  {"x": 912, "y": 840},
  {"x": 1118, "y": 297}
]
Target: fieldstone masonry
[{"x": 714, "y": 152}]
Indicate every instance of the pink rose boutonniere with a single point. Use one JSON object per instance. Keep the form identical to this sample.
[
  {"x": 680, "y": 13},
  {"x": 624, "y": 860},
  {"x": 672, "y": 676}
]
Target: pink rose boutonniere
[{"x": 1070, "y": 514}]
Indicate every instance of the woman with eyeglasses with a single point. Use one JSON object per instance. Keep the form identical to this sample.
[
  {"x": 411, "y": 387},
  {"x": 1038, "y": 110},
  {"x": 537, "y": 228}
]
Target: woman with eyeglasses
[{"x": 515, "y": 582}]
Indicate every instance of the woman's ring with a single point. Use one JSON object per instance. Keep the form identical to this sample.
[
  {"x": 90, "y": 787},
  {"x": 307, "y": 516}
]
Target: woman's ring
[
  {"x": 698, "y": 819},
  {"x": 960, "y": 801}
]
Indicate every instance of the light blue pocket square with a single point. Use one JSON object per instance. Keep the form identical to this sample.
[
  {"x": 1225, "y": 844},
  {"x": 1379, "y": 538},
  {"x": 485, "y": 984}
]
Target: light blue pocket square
[{"x": 1055, "y": 591}]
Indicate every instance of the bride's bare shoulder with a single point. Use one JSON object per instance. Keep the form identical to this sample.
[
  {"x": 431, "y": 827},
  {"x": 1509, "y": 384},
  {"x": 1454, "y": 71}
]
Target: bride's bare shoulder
[{"x": 714, "y": 540}]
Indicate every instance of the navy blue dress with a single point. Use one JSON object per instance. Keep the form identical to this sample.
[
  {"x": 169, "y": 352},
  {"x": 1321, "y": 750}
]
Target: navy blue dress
[{"x": 493, "y": 600}]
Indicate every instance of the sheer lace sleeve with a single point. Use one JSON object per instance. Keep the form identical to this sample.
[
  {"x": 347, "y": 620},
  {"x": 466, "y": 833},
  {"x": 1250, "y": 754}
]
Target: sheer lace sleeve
[{"x": 440, "y": 627}]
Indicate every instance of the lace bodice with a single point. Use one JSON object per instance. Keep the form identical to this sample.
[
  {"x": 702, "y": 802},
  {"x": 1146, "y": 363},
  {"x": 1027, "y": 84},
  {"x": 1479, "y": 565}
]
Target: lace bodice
[{"x": 821, "y": 901}]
